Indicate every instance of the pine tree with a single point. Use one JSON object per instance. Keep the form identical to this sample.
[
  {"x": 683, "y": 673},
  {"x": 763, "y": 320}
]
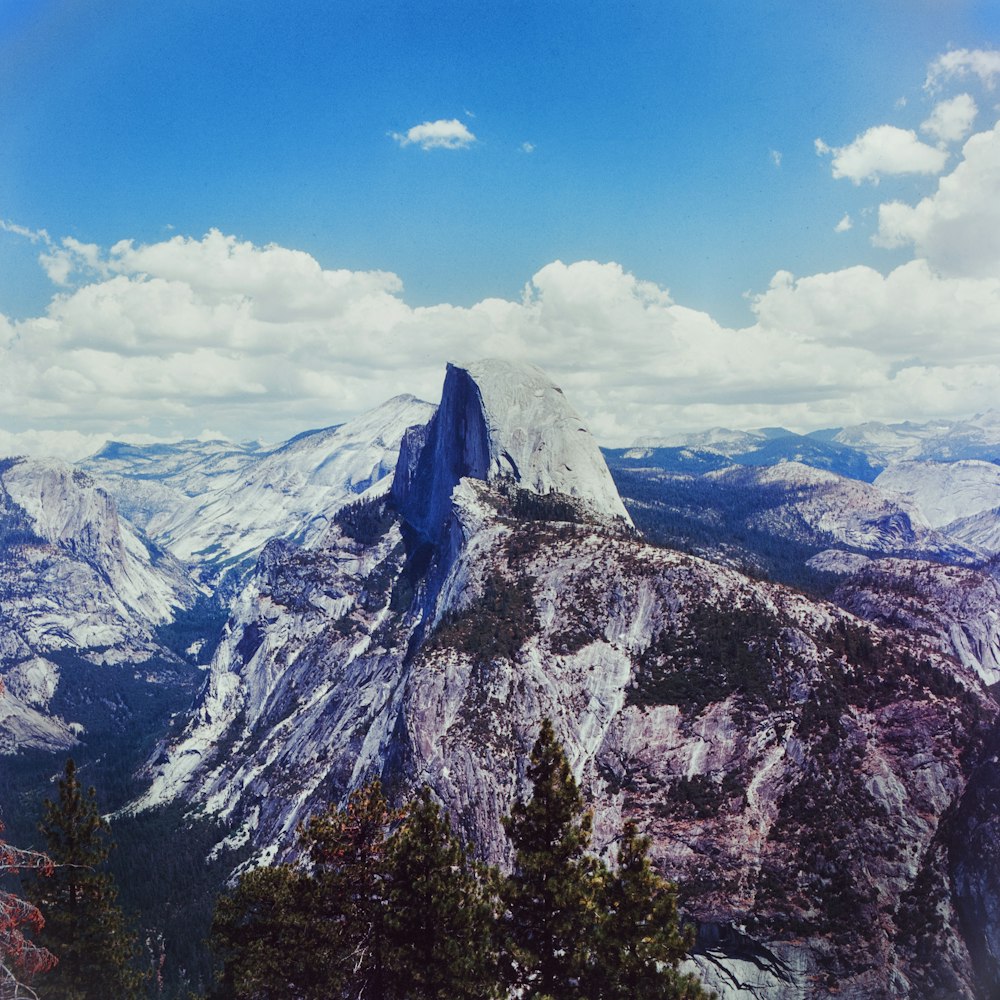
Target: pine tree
[
  {"x": 84, "y": 926},
  {"x": 312, "y": 931},
  {"x": 438, "y": 913},
  {"x": 21, "y": 959},
  {"x": 640, "y": 942},
  {"x": 551, "y": 895},
  {"x": 265, "y": 934}
]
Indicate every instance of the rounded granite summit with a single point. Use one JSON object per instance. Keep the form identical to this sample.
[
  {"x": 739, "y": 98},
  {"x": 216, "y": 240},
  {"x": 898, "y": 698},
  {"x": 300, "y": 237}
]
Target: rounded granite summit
[{"x": 500, "y": 420}]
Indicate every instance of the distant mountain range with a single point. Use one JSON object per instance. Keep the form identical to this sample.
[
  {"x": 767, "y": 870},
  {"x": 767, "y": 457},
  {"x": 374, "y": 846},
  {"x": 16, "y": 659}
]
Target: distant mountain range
[{"x": 861, "y": 451}]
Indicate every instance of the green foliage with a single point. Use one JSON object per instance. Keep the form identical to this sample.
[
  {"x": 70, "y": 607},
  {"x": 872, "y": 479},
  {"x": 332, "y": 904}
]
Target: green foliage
[
  {"x": 641, "y": 941},
  {"x": 366, "y": 521},
  {"x": 575, "y": 930},
  {"x": 16, "y": 527},
  {"x": 362, "y": 913},
  {"x": 314, "y": 929},
  {"x": 527, "y": 505},
  {"x": 124, "y": 715},
  {"x": 551, "y": 896},
  {"x": 84, "y": 925},
  {"x": 719, "y": 652},
  {"x": 177, "y": 894},
  {"x": 496, "y": 625},
  {"x": 712, "y": 517},
  {"x": 203, "y": 622},
  {"x": 439, "y": 912},
  {"x": 388, "y": 905},
  {"x": 702, "y": 796}
]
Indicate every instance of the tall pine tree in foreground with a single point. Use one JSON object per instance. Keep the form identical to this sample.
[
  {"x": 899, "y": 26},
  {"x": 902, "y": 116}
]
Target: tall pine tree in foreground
[
  {"x": 439, "y": 913},
  {"x": 576, "y": 930},
  {"x": 385, "y": 905},
  {"x": 84, "y": 926},
  {"x": 312, "y": 930},
  {"x": 640, "y": 941},
  {"x": 552, "y": 895}
]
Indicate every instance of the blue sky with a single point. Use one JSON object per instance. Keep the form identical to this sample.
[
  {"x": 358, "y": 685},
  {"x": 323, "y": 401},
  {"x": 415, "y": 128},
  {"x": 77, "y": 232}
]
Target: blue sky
[{"x": 675, "y": 140}]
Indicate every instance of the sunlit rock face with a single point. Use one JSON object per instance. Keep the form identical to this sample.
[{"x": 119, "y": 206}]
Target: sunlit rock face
[
  {"x": 499, "y": 420},
  {"x": 799, "y": 770},
  {"x": 74, "y": 579}
]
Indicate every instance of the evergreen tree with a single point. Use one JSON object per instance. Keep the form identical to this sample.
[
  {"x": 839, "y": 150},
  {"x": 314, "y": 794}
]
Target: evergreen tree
[
  {"x": 21, "y": 959},
  {"x": 312, "y": 931},
  {"x": 438, "y": 913},
  {"x": 84, "y": 926},
  {"x": 266, "y": 936},
  {"x": 640, "y": 942},
  {"x": 551, "y": 895}
]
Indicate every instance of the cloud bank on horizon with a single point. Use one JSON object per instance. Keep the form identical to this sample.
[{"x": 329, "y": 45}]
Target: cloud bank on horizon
[{"x": 161, "y": 340}]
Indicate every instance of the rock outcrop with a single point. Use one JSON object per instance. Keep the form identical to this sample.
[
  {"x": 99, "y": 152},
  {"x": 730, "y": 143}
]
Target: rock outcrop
[{"x": 74, "y": 578}]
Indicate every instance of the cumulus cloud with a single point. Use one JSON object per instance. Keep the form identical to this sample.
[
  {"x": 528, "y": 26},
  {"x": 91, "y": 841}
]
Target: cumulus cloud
[
  {"x": 165, "y": 338},
  {"x": 262, "y": 341},
  {"x": 951, "y": 120},
  {"x": 844, "y": 225},
  {"x": 883, "y": 150},
  {"x": 961, "y": 64},
  {"x": 958, "y": 227},
  {"x": 441, "y": 134}
]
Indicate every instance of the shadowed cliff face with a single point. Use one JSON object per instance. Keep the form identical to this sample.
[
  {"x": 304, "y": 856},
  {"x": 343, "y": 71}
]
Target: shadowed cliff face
[
  {"x": 975, "y": 859},
  {"x": 502, "y": 421},
  {"x": 456, "y": 444},
  {"x": 798, "y": 769}
]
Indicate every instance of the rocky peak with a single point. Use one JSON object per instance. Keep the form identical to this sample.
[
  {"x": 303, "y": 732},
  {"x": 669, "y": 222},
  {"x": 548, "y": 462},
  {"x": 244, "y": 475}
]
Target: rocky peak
[{"x": 501, "y": 420}]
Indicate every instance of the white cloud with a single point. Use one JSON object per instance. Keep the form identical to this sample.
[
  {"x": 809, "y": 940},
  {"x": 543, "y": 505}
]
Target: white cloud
[
  {"x": 35, "y": 236},
  {"x": 167, "y": 338},
  {"x": 844, "y": 225},
  {"x": 951, "y": 120},
  {"x": 883, "y": 150},
  {"x": 962, "y": 63},
  {"x": 776, "y": 157},
  {"x": 913, "y": 312},
  {"x": 441, "y": 134},
  {"x": 527, "y": 147},
  {"x": 958, "y": 227}
]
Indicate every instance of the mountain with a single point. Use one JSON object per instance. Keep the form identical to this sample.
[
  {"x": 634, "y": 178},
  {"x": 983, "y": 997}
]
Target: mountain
[
  {"x": 226, "y": 504},
  {"x": 818, "y": 505},
  {"x": 191, "y": 466},
  {"x": 860, "y": 451},
  {"x": 153, "y": 482},
  {"x": 716, "y": 440},
  {"x": 936, "y": 440},
  {"x": 790, "y": 522},
  {"x": 960, "y": 498},
  {"x": 75, "y": 579},
  {"x": 801, "y": 771},
  {"x": 719, "y": 448},
  {"x": 959, "y": 606}
]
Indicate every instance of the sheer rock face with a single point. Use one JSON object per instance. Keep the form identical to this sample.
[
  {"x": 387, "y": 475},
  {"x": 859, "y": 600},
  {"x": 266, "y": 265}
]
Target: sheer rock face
[
  {"x": 503, "y": 421},
  {"x": 799, "y": 771}
]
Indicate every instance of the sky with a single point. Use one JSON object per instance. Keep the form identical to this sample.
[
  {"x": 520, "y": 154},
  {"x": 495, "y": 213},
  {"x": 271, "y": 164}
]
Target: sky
[{"x": 247, "y": 219}]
